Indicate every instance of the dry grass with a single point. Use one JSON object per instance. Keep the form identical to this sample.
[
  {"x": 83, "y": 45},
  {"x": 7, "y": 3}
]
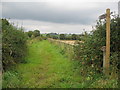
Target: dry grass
[{"x": 71, "y": 42}]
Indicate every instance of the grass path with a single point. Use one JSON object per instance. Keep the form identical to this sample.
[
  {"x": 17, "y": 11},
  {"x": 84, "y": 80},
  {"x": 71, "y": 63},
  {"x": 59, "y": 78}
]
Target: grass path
[{"x": 46, "y": 67}]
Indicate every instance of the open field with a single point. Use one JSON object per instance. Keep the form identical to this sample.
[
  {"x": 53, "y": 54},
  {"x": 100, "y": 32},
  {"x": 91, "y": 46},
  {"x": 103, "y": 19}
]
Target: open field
[{"x": 70, "y": 42}]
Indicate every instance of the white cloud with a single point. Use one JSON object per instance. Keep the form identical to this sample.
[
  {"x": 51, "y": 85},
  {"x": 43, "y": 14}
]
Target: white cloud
[
  {"x": 73, "y": 5},
  {"x": 59, "y": 1},
  {"x": 83, "y": 13},
  {"x": 47, "y": 27},
  {"x": 60, "y": 17}
]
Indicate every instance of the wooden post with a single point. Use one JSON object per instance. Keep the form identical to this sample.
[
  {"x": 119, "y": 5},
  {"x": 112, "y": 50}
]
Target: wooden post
[{"x": 107, "y": 58}]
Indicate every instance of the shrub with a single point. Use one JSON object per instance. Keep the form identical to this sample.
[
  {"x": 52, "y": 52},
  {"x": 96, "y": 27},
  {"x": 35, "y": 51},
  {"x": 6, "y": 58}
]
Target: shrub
[
  {"x": 36, "y": 33},
  {"x": 13, "y": 45},
  {"x": 89, "y": 52}
]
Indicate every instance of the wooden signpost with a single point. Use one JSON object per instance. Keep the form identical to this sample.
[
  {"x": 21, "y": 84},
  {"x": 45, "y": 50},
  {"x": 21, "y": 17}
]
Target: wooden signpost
[
  {"x": 107, "y": 58},
  {"x": 106, "y": 49}
]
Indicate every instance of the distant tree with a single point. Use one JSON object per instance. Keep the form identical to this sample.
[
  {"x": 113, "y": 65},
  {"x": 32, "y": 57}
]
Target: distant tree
[
  {"x": 62, "y": 36},
  {"x": 68, "y": 37},
  {"x": 74, "y": 37},
  {"x": 48, "y": 35},
  {"x": 30, "y": 33},
  {"x": 55, "y": 37},
  {"x": 36, "y": 33}
]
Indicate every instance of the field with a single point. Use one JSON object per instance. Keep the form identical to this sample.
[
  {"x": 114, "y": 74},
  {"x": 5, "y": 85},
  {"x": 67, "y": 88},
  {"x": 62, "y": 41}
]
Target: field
[{"x": 70, "y": 42}]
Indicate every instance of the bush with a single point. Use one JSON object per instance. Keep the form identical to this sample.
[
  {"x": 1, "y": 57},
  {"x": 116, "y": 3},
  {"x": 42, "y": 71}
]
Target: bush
[
  {"x": 29, "y": 33},
  {"x": 36, "y": 33},
  {"x": 89, "y": 52},
  {"x": 13, "y": 45}
]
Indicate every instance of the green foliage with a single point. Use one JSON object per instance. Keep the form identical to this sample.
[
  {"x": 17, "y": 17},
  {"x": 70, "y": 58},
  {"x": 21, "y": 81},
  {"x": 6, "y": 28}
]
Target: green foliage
[
  {"x": 48, "y": 35},
  {"x": 30, "y": 33},
  {"x": 43, "y": 37},
  {"x": 33, "y": 34},
  {"x": 68, "y": 37},
  {"x": 74, "y": 37},
  {"x": 89, "y": 52},
  {"x": 36, "y": 33},
  {"x": 12, "y": 79},
  {"x": 52, "y": 35},
  {"x": 55, "y": 37},
  {"x": 115, "y": 35},
  {"x": 62, "y": 36},
  {"x": 13, "y": 44}
]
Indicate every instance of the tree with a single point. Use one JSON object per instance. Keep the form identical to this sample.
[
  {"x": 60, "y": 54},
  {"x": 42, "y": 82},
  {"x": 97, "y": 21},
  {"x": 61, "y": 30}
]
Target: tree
[
  {"x": 48, "y": 35},
  {"x": 36, "y": 33},
  {"x": 62, "y": 36},
  {"x": 30, "y": 33},
  {"x": 68, "y": 37},
  {"x": 74, "y": 37}
]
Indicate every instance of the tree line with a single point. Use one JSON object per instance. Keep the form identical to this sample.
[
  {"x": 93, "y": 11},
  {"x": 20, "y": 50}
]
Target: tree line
[{"x": 64, "y": 36}]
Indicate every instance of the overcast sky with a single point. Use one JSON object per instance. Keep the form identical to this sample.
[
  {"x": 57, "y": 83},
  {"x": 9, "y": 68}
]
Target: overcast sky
[{"x": 56, "y": 16}]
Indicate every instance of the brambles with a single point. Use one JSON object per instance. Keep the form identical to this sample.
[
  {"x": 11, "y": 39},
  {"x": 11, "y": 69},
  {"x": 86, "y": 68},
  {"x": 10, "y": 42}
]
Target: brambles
[
  {"x": 89, "y": 52},
  {"x": 13, "y": 45}
]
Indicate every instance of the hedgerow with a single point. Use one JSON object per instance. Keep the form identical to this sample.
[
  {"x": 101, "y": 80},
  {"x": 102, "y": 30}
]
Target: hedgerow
[
  {"x": 89, "y": 52},
  {"x": 13, "y": 44}
]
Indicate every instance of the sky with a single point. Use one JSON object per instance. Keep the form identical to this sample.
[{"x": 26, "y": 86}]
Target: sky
[{"x": 59, "y": 16}]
